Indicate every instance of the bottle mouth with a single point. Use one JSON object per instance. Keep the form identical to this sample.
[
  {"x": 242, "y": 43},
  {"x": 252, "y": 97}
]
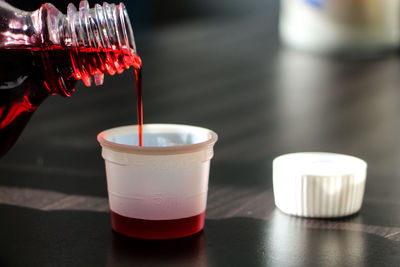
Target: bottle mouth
[{"x": 105, "y": 32}]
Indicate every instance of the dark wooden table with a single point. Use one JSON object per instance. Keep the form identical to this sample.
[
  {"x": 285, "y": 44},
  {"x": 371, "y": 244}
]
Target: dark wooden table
[{"x": 222, "y": 69}]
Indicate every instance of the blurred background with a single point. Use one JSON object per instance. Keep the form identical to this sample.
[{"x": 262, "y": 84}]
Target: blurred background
[
  {"x": 222, "y": 65},
  {"x": 158, "y": 13}
]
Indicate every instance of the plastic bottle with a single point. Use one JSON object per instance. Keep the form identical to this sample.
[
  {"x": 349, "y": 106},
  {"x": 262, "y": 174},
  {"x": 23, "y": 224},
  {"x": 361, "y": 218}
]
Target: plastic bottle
[
  {"x": 355, "y": 28},
  {"x": 45, "y": 52}
]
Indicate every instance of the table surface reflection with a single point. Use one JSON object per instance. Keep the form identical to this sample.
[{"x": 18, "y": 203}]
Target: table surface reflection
[{"x": 228, "y": 73}]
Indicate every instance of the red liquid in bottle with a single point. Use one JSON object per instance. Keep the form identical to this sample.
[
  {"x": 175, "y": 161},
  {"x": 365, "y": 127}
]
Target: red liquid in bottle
[
  {"x": 157, "y": 229},
  {"x": 28, "y": 75}
]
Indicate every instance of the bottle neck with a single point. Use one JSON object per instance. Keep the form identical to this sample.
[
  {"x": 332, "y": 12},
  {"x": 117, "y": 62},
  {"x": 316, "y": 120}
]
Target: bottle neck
[
  {"x": 100, "y": 40},
  {"x": 82, "y": 44}
]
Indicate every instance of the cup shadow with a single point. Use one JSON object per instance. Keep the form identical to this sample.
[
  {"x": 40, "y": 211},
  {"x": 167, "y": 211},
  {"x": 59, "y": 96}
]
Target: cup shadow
[{"x": 31, "y": 237}]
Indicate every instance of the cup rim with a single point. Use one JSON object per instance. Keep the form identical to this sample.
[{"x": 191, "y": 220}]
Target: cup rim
[{"x": 151, "y": 150}]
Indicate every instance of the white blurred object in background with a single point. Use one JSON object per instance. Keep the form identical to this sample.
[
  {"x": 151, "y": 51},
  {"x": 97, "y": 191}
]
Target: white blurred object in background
[{"x": 354, "y": 27}]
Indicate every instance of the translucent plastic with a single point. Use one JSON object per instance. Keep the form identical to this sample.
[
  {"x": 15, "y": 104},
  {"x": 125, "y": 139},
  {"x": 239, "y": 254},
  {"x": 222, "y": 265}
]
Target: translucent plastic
[
  {"x": 163, "y": 182},
  {"x": 102, "y": 34},
  {"x": 45, "y": 52}
]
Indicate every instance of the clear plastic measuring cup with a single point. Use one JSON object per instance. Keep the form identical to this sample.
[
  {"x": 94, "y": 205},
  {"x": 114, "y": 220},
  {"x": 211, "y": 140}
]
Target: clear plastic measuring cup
[{"x": 158, "y": 190}]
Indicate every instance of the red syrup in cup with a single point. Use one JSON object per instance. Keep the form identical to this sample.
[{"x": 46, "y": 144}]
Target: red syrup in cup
[{"x": 157, "y": 229}]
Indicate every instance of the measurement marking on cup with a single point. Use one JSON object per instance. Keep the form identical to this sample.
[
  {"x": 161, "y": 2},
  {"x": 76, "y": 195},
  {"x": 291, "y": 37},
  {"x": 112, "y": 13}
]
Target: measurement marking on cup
[
  {"x": 129, "y": 197},
  {"x": 166, "y": 201}
]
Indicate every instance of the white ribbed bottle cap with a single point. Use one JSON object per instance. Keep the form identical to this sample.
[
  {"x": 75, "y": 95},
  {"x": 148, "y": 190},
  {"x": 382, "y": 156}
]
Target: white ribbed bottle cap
[{"x": 316, "y": 184}]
